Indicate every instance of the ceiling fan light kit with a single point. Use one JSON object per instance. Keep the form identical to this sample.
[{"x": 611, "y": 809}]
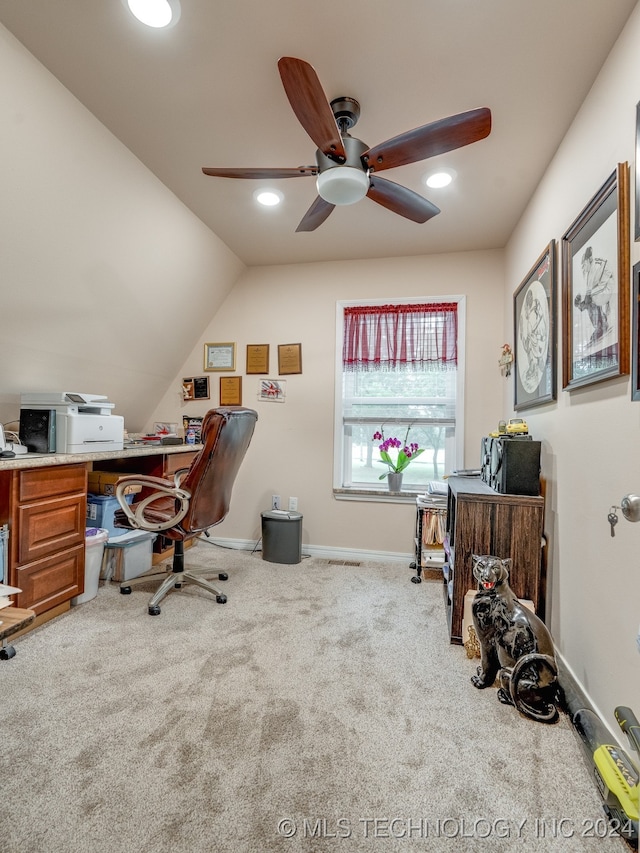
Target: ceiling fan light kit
[
  {"x": 347, "y": 169},
  {"x": 342, "y": 185}
]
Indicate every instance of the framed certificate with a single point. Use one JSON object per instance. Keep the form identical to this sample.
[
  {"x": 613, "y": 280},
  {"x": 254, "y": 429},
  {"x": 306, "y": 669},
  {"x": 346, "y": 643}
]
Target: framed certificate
[
  {"x": 289, "y": 358},
  {"x": 220, "y": 356},
  {"x": 231, "y": 390},
  {"x": 257, "y": 358}
]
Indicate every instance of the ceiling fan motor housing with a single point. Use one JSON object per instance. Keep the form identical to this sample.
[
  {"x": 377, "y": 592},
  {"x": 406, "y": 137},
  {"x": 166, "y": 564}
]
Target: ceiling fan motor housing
[
  {"x": 343, "y": 183},
  {"x": 346, "y": 112}
]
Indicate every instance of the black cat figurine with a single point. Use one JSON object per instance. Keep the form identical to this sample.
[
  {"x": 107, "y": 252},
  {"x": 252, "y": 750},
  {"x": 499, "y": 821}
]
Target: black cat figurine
[{"x": 515, "y": 645}]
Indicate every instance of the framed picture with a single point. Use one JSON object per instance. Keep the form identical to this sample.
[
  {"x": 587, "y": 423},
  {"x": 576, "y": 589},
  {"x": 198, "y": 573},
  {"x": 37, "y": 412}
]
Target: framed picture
[
  {"x": 289, "y": 358},
  {"x": 272, "y": 390},
  {"x": 231, "y": 390},
  {"x": 257, "y": 358},
  {"x": 195, "y": 388},
  {"x": 220, "y": 356},
  {"x": 595, "y": 287},
  {"x": 637, "y": 181},
  {"x": 635, "y": 334},
  {"x": 534, "y": 320}
]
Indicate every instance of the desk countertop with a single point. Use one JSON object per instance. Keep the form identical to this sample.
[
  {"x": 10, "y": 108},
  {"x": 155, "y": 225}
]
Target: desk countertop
[{"x": 42, "y": 460}]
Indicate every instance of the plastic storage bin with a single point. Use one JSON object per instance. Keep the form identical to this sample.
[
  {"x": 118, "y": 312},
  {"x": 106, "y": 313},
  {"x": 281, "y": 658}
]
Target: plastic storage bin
[
  {"x": 94, "y": 542},
  {"x": 128, "y": 556},
  {"x": 281, "y": 536},
  {"x": 101, "y": 510}
]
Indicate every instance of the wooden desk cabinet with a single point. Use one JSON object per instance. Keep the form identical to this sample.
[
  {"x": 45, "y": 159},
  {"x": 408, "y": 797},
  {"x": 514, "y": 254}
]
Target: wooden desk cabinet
[
  {"x": 44, "y": 503},
  {"x": 483, "y": 521},
  {"x": 46, "y": 511}
]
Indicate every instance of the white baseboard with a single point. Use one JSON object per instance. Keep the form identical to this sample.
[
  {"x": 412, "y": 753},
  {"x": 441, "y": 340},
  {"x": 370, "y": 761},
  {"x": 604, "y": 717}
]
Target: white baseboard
[
  {"x": 580, "y": 690},
  {"x": 324, "y": 551}
]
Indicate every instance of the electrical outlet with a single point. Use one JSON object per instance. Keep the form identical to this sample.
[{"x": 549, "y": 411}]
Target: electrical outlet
[
  {"x": 275, "y": 501},
  {"x": 293, "y": 504}
]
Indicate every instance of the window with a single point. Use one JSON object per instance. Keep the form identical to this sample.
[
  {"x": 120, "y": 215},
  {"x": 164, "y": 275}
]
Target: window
[{"x": 399, "y": 367}]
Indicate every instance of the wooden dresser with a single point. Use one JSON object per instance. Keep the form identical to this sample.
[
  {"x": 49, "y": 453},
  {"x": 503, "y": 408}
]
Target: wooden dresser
[{"x": 483, "y": 521}]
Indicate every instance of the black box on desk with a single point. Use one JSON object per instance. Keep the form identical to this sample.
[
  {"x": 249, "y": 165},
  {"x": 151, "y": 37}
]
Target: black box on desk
[{"x": 511, "y": 465}]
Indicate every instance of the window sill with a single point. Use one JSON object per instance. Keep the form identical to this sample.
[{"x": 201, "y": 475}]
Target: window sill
[{"x": 378, "y": 495}]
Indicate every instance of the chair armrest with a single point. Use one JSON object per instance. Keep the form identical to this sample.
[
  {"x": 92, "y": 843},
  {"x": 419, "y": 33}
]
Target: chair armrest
[
  {"x": 136, "y": 513},
  {"x": 179, "y": 475}
]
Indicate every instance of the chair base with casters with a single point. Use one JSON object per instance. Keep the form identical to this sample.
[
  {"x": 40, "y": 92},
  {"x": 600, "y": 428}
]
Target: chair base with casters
[
  {"x": 174, "y": 577},
  {"x": 196, "y": 499}
]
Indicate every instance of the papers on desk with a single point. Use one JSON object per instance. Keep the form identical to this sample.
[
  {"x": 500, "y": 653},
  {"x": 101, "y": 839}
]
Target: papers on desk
[
  {"x": 435, "y": 496},
  {"x": 437, "y": 487}
]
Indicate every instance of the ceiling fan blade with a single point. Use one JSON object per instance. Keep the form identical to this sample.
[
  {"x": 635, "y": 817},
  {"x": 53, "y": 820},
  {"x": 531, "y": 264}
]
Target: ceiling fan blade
[
  {"x": 300, "y": 172},
  {"x": 429, "y": 140},
  {"x": 316, "y": 215},
  {"x": 401, "y": 200},
  {"x": 310, "y": 104}
]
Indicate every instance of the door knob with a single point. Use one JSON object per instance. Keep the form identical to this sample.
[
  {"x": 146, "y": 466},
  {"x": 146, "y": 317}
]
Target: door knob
[{"x": 630, "y": 506}]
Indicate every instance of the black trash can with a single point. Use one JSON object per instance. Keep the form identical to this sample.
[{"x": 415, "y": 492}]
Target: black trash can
[{"x": 281, "y": 536}]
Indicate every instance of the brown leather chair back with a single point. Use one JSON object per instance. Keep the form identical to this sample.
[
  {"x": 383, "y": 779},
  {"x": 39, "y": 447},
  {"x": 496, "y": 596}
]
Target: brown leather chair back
[{"x": 226, "y": 434}]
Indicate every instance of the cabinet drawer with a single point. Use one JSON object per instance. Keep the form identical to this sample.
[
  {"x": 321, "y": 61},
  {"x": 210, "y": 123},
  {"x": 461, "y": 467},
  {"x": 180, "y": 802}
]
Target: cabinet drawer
[
  {"x": 178, "y": 461},
  {"x": 51, "y": 482},
  {"x": 48, "y": 526},
  {"x": 52, "y": 581}
]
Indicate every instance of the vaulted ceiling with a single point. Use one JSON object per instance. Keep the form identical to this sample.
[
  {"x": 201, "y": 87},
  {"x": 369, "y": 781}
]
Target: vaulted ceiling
[{"x": 207, "y": 92}]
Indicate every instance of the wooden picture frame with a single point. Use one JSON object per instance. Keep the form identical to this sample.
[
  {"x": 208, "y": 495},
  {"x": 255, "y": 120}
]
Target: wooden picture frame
[
  {"x": 534, "y": 325},
  {"x": 231, "y": 390},
  {"x": 289, "y": 359},
  {"x": 220, "y": 356},
  {"x": 595, "y": 287},
  {"x": 195, "y": 388},
  {"x": 257, "y": 358},
  {"x": 635, "y": 333}
]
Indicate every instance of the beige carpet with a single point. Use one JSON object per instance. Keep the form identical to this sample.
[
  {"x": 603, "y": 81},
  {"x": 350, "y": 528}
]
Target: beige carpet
[{"x": 321, "y": 709}]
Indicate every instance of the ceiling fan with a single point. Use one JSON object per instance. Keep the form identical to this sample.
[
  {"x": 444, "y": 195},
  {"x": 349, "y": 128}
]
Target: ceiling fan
[{"x": 346, "y": 168}]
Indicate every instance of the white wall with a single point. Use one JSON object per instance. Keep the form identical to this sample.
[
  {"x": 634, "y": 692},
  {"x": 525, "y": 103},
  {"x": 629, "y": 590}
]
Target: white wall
[
  {"x": 106, "y": 277},
  {"x": 292, "y": 451},
  {"x": 591, "y": 436}
]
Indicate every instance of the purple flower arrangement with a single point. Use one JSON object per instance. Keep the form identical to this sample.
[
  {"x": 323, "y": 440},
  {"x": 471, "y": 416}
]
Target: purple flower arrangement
[{"x": 406, "y": 452}]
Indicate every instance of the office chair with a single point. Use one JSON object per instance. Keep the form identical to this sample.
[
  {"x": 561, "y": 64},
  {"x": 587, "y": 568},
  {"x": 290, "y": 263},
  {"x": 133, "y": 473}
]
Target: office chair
[{"x": 196, "y": 500}]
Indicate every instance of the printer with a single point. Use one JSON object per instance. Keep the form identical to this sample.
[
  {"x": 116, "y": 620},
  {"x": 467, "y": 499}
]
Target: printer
[{"x": 69, "y": 422}]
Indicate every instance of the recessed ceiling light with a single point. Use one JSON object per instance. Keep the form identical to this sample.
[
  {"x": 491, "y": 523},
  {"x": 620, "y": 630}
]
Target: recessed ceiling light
[
  {"x": 268, "y": 198},
  {"x": 440, "y": 179},
  {"x": 155, "y": 13}
]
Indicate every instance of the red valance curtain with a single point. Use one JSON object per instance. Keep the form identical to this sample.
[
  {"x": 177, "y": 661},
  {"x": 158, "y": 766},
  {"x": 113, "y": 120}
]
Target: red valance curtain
[{"x": 392, "y": 337}]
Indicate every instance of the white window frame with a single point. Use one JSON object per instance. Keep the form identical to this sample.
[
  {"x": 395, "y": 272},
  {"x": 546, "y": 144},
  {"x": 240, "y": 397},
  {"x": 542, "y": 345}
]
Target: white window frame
[{"x": 345, "y": 493}]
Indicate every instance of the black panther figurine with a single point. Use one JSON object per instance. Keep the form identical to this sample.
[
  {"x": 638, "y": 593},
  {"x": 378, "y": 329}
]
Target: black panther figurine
[{"x": 515, "y": 645}]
